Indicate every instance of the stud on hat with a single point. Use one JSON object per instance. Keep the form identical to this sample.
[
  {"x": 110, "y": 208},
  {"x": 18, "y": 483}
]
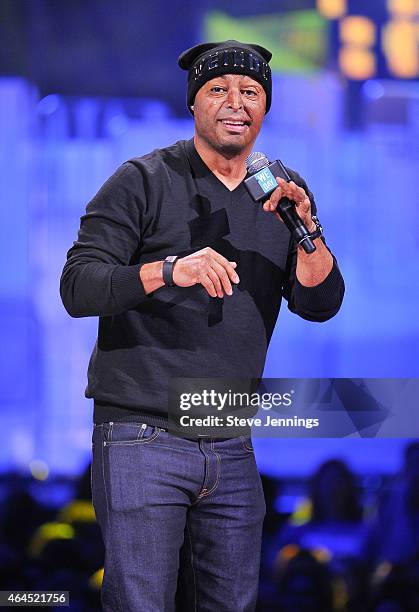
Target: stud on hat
[{"x": 209, "y": 60}]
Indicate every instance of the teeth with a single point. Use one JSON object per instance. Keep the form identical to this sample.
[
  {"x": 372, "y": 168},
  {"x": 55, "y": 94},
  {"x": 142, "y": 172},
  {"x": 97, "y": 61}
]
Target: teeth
[{"x": 234, "y": 122}]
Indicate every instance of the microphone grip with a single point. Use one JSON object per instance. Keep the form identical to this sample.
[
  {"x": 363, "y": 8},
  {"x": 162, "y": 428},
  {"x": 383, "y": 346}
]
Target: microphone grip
[{"x": 295, "y": 224}]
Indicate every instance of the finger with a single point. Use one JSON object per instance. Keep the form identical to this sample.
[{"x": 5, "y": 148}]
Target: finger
[
  {"x": 223, "y": 277},
  {"x": 304, "y": 206},
  {"x": 297, "y": 188},
  {"x": 271, "y": 204},
  {"x": 226, "y": 265},
  {"x": 279, "y": 191},
  {"x": 303, "y": 209},
  {"x": 216, "y": 281},
  {"x": 294, "y": 192},
  {"x": 207, "y": 283}
]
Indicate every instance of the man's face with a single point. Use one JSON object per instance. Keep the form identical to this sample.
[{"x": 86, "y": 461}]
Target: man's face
[{"x": 229, "y": 112}]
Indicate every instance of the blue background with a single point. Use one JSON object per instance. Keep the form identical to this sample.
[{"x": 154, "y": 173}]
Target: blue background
[{"x": 82, "y": 89}]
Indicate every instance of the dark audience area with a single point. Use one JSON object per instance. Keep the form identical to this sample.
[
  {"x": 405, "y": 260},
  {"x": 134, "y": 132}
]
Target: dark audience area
[{"x": 338, "y": 541}]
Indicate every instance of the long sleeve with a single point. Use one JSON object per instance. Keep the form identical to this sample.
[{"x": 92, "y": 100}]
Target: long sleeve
[
  {"x": 101, "y": 274},
  {"x": 323, "y": 301}
]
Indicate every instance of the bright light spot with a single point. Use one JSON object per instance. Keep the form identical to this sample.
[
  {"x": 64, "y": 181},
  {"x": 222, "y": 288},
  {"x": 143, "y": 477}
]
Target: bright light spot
[
  {"x": 47, "y": 532},
  {"x": 96, "y": 579},
  {"x": 383, "y": 570},
  {"x": 39, "y": 469},
  {"x": 289, "y": 551},
  {"x": 357, "y": 30},
  {"x": 332, "y": 9},
  {"x": 49, "y": 104},
  {"x": 373, "y": 90},
  {"x": 117, "y": 126},
  {"x": 403, "y": 8},
  {"x": 323, "y": 555},
  {"x": 357, "y": 63},
  {"x": 400, "y": 44}
]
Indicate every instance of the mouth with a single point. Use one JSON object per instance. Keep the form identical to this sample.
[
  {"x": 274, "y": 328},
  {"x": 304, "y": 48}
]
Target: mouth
[{"x": 235, "y": 126}]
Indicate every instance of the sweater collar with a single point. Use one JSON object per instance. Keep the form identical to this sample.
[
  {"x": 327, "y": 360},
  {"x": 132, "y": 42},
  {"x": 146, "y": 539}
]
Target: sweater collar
[{"x": 201, "y": 170}]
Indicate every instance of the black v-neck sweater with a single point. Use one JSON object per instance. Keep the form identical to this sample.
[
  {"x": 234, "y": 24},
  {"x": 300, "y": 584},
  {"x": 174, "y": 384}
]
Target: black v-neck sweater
[{"x": 169, "y": 203}]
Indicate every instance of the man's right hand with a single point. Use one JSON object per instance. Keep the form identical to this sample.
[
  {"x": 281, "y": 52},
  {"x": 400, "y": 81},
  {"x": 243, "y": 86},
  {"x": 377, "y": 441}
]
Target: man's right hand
[{"x": 208, "y": 268}]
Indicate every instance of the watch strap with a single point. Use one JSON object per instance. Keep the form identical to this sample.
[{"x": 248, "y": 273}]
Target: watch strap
[
  {"x": 319, "y": 229},
  {"x": 168, "y": 266}
]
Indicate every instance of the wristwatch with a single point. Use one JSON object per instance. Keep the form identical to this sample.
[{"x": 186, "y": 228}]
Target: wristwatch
[
  {"x": 319, "y": 229},
  {"x": 168, "y": 265}
]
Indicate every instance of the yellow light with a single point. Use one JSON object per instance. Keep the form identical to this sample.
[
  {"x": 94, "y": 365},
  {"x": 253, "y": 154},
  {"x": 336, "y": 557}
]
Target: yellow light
[
  {"x": 332, "y": 9},
  {"x": 357, "y": 63},
  {"x": 96, "y": 579},
  {"x": 288, "y": 552},
  {"x": 78, "y": 510},
  {"x": 403, "y": 8},
  {"x": 400, "y": 45},
  {"x": 47, "y": 532},
  {"x": 357, "y": 30},
  {"x": 303, "y": 513},
  {"x": 323, "y": 555}
]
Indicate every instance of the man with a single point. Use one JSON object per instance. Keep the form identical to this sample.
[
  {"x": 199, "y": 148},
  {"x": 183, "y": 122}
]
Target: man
[{"x": 176, "y": 513}]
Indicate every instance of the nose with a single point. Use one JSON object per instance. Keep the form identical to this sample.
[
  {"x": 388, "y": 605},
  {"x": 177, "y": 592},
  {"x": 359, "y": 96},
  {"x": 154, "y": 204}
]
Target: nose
[{"x": 234, "y": 98}]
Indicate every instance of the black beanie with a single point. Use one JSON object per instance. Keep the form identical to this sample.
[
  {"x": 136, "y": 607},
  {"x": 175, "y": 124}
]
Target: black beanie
[{"x": 209, "y": 60}]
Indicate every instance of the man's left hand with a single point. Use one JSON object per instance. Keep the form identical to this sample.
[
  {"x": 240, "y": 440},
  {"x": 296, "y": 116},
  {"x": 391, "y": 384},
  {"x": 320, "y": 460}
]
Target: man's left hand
[
  {"x": 311, "y": 268},
  {"x": 296, "y": 194}
]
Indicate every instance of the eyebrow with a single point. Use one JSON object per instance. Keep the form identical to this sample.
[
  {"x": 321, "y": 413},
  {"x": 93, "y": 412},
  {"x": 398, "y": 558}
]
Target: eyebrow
[{"x": 254, "y": 84}]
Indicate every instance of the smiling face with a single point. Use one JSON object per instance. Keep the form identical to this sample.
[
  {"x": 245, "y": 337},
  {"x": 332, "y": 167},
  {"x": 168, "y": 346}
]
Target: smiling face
[{"x": 228, "y": 113}]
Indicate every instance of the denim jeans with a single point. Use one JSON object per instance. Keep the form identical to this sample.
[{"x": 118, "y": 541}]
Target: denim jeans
[{"x": 181, "y": 520}]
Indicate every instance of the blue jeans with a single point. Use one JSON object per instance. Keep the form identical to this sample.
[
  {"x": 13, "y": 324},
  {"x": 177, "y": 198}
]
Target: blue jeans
[{"x": 181, "y": 520}]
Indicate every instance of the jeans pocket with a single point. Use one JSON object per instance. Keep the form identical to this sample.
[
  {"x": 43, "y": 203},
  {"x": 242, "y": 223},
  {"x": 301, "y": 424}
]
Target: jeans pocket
[
  {"x": 247, "y": 443},
  {"x": 127, "y": 463},
  {"x": 121, "y": 433},
  {"x": 124, "y": 477}
]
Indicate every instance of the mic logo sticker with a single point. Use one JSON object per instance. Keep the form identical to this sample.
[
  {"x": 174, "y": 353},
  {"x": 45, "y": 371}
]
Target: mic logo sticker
[{"x": 266, "y": 180}]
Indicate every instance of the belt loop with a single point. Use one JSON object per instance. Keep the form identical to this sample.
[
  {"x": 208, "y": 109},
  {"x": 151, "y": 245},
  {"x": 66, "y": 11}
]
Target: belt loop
[
  {"x": 142, "y": 430},
  {"x": 106, "y": 431}
]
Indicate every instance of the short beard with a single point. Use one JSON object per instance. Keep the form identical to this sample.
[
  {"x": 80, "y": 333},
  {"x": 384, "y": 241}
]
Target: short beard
[{"x": 228, "y": 150}]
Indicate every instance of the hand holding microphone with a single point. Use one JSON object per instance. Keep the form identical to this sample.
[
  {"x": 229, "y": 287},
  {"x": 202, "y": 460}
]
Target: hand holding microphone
[
  {"x": 299, "y": 199},
  {"x": 270, "y": 183}
]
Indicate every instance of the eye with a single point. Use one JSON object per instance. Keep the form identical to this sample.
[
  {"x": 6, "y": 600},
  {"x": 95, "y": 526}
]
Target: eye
[
  {"x": 217, "y": 89},
  {"x": 250, "y": 92}
]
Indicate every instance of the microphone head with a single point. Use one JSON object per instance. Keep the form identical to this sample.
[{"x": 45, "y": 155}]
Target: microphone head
[{"x": 256, "y": 161}]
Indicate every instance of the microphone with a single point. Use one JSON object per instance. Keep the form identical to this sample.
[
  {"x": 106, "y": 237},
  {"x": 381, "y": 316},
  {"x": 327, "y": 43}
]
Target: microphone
[{"x": 262, "y": 183}]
